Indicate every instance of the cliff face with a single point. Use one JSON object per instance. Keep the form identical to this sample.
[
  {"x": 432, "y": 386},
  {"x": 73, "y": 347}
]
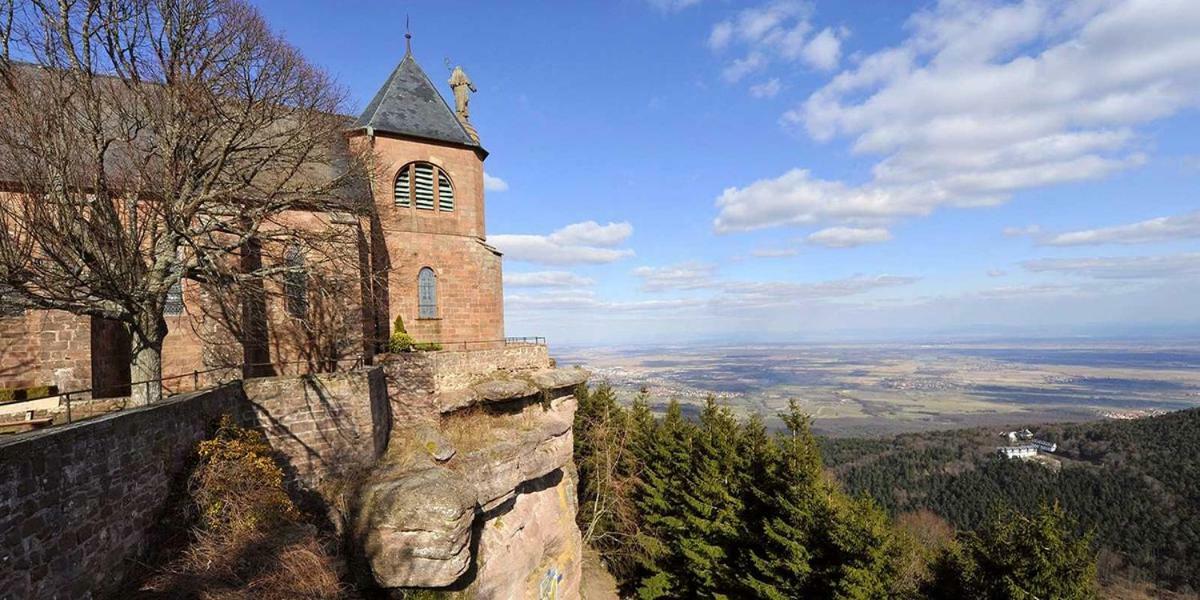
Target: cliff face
[{"x": 476, "y": 491}]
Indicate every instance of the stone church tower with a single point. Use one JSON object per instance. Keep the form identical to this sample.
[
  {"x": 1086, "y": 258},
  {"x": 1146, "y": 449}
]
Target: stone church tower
[{"x": 429, "y": 250}]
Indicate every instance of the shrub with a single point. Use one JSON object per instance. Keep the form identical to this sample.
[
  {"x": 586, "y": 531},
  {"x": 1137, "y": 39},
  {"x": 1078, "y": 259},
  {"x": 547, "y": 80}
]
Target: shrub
[
  {"x": 398, "y": 325},
  {"x": 401, "y": 342},
  {"x": 252, "y": 542},
  {"x": 237, "y": 487}
]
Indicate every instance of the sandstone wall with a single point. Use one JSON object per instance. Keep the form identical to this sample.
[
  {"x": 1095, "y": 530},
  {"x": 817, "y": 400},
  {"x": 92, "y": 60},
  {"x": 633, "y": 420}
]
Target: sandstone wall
[
  {"x": 418, "y": 381},
  {"x": 476, "y": 493},
  {"x": 45, "y": 347},
  {"x": 469, "y": 282},
  {"x": 322, "y": 425},
  {"x": 79, "y": 503}
]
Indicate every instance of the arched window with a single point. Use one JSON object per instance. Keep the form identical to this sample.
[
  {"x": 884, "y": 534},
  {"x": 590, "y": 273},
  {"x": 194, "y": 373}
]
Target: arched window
[
  {"x": 174, "y": 304},
  {"x": 425, "y": 186},
  {"x": 427, "y": 294},
  {"x": 295, "y": 283}
]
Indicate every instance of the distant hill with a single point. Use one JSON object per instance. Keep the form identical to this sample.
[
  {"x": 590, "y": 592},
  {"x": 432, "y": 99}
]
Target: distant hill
[{"x": 1135, "y": 483}]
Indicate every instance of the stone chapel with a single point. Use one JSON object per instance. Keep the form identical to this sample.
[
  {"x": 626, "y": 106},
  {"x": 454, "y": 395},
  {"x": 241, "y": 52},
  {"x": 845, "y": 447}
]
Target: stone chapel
[{"x": 420, "y": 254}]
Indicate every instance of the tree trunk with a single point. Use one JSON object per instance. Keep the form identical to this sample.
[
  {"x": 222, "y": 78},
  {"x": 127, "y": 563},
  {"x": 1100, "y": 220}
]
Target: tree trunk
[{"x": 145, "y": 369}]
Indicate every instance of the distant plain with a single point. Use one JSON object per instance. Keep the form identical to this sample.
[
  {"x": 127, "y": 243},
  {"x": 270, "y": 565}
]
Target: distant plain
[{"x": 881, "y": 389}]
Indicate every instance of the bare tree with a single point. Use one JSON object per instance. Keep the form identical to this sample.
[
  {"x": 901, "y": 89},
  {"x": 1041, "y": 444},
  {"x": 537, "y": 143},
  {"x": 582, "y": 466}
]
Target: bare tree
[{"x": 147, "y": 141}]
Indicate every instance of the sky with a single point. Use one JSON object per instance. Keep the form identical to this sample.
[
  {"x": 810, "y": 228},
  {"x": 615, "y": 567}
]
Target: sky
[{"x": 674, "y": 171}]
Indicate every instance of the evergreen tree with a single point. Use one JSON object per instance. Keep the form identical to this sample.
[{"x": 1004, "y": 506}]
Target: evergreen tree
[
  {"x": 1018, "y": 557},
  {"x": 665, "y": 452},
  {"x": 711, "y": 510},
  {"x": 778, "y": 567}
]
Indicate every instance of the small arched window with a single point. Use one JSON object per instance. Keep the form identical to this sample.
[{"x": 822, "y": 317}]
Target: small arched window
[
  {"x": 426, "y": 294},
  {"x": 425, "y": 186},
  {"x": 174, "y": 304}
]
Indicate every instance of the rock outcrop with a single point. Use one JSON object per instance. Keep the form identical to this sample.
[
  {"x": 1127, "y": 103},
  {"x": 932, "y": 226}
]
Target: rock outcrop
[{"x": 488, "y": 483}]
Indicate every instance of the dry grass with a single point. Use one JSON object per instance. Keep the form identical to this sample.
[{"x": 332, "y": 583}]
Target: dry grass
[
  {"x": 473, "y": 428},
  {"x": 286, "y": 562},
  {"x": 252, "y": 542}
]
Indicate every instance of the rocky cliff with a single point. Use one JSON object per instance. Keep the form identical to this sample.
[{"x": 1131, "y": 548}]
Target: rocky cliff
[{"x": 476, "y": 491}]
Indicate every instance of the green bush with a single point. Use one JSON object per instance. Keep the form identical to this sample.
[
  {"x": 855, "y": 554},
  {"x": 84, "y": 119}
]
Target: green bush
[
  {"x": 398, "y": 325},
  {"x": 401, "y": 342},
  {"x": 27, "y": 393},
  {"x": 427, "y": 346}
]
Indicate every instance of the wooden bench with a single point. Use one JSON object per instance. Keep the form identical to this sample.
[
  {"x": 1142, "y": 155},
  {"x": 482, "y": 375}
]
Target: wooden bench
[{"x": 26, "y": 425}]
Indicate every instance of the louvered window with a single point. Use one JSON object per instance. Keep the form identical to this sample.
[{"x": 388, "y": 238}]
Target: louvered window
[
  {"x": 403, "y": 190},
  {"x": 445, "y": 192},
  {"x": 423, "y": 186},
  {"x": 415, "y": 186},
  {"x": 426, "y": 294}
]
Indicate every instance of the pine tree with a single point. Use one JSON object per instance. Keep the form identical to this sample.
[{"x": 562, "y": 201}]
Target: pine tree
[
  {"x": 1018, "y": 557},
  {"x": 665, "y": 451},
  {"x": 711, "y": 509},
  {"x": 778, "y": 567}
]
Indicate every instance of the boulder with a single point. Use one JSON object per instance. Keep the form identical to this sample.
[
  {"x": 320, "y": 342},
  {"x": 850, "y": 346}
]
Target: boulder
[
  {"x": 558, "y": 379},
  {"x": 532, "y": 549},
  {"x": 523, "y": 453},
  {"x": 503, "y": 390},
  {"x": 415, "y": 526}
]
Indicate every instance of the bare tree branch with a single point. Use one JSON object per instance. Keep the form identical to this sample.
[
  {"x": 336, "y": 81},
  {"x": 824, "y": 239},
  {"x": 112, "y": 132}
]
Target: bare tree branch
[{"x": 147, "y": 141}]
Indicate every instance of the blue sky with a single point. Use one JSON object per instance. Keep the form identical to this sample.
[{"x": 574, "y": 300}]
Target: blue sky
[{"x": 683, "y": 170}]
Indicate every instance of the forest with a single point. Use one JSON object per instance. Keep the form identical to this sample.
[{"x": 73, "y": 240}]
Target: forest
[
  {"x": 1133, "y": 484},
  {"x": 717, "y": 507}
]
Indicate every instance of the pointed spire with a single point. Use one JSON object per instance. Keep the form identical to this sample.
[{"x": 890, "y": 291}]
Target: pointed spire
[
  {"x": 407, "y": 37},
  {"x": 409, "y": 104}
]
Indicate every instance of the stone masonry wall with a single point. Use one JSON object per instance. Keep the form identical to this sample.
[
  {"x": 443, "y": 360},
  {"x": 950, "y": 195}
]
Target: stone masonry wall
[
  {"x": 414, "y": 379},
  {"x": 45, "y": 347},
  {"x": 78, "y": 503},
  {"x": 324, "y": 424},
  {"x": 469, "y": 287}
]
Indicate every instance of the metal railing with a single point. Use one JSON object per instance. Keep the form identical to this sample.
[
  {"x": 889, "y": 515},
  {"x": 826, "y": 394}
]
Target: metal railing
[
  {"x": 234, "y": 372},
  {"x": 243, "y": 371}
]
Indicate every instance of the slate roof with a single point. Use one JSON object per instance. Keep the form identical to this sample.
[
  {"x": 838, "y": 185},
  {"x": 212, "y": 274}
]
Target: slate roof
[{"x": 409, "y": 104}]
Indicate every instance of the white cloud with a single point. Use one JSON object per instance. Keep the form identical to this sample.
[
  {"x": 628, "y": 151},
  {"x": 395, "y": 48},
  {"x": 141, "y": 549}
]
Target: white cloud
[
  {"x": 494, "y": 184},
  {"x": 1160, "y": 229},
  {"x": 1121, "y": 267},
  {"x": 721, "y": 35},
  {"x": 777, "y": 294},
  {"x": 996, "y": 273},
  {"x": 686, "y": 276},
  {"x": 774, "y": 31},
  {"x": 824, "y": 50},
  {"x": 766, "y": 89},
  {"x": 849, "y": 237},
  {"x": 578, "y": 243},
  {"x": 587, "y": 301},
  {"x": 774, "y": 252},
  {"x": 591, "y": 233},
  {"x": 742, "y": 67},
  {"x": 983, "y": 100},
  {"x": 546, "y": 279}
]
